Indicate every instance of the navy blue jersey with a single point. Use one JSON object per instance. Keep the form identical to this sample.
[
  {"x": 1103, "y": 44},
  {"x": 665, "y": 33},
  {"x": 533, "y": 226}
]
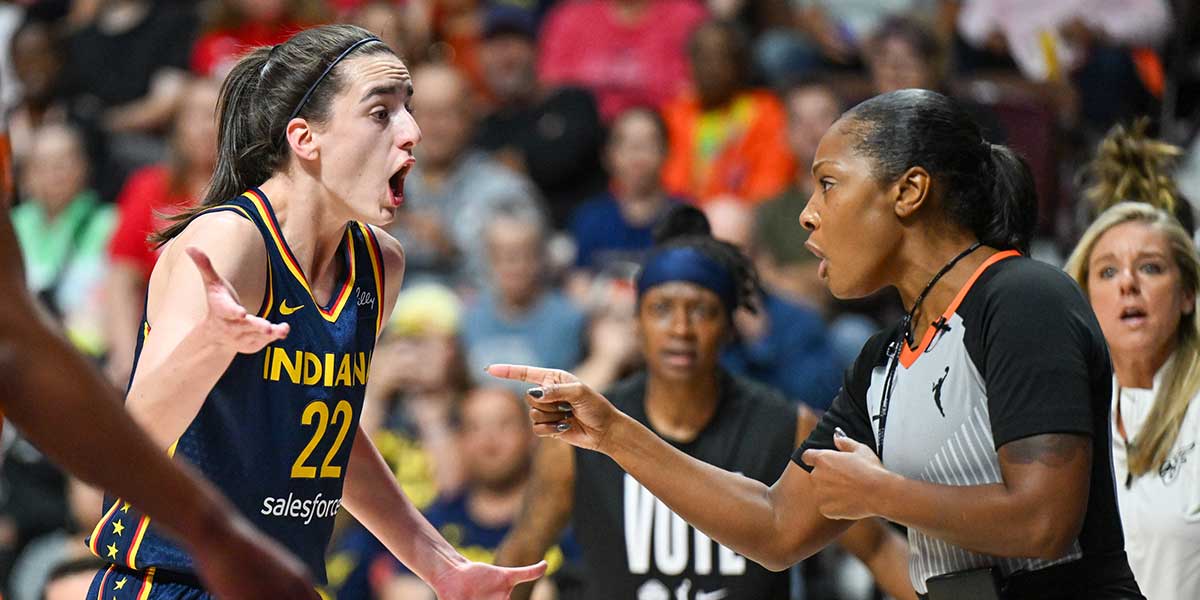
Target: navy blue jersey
[{"x": 274, "y": 434}]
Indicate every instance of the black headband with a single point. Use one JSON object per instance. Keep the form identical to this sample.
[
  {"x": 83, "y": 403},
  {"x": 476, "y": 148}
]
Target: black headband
[{"x": 312, "y": 88}]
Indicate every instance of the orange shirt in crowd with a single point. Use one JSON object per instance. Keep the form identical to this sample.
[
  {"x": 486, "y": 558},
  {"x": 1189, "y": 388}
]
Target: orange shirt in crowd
[{"x": 739, "y": 150}]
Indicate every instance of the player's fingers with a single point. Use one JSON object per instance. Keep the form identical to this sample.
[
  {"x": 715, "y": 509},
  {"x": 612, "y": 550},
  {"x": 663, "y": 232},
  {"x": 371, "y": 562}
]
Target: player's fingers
[
  {"x": 814, "y": 458},
  {"x": 204, "y": 264},
  {"x": 522, "y": 574}
]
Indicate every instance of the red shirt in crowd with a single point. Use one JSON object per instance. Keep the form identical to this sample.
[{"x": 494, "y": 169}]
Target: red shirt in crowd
[
  {"x": 625, "y": 64},
  {"x": 216, "y": 52},
  {"x": 140, "y": 209}
]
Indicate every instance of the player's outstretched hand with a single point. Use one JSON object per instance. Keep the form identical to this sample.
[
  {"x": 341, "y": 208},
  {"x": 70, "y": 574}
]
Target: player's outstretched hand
[
  {"x": 563, "y": 407},
  {"x": 479, "y": 581},
  {"x": 243, "y": 564},
  {"x": 227, "y": 320}
]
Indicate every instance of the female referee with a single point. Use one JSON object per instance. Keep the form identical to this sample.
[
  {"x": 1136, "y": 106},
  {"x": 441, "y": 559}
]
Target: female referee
[
  {"x": 984, "y": 431},
  {"x": 315, "y": 139}
]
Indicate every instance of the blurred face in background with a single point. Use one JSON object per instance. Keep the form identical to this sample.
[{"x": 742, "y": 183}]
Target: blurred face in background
[
  {"x": 516, "y": 252},
  {"x": 196, "y": 125},
  {"x": 1137, "y": 291},
  {"x": 895, "y": 64},
  {"x": 37, "y": 61},
  {"x": 682, "y": 327},
  {"x": 382, "y": 17},
  {"x": 57, "y": 169},
  {"x": 509, "y": 66},
  {"x": 496, "y": 438},
  {"x": 811, "y": 111},
  {"x": 715, "y": 65},
  {"x": 443, "y": 111},
  {"x": 636, "y": 152}
]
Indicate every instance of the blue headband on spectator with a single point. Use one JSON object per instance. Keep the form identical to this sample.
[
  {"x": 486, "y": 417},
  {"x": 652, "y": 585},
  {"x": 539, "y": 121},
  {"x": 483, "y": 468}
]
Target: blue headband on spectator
[
  {"x": 692, "y": 266},
  {"x": 312, "y": 88}
]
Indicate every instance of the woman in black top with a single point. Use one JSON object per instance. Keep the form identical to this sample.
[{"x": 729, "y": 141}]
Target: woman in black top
[{"x": 989, "y": 415}]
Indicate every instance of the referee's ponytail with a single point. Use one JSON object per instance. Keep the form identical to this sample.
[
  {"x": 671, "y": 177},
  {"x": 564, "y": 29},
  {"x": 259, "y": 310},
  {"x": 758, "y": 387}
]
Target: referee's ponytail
[
  {"x": 984, "y": 187},
  {"x": 264, "y": 91}
]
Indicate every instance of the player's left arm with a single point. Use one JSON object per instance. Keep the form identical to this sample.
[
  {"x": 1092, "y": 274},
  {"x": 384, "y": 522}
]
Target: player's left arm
[{"x": 374, "y": 497}]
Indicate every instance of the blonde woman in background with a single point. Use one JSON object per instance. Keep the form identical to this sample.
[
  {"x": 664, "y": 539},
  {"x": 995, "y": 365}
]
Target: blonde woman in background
[{"x": 1140, "y": 271}]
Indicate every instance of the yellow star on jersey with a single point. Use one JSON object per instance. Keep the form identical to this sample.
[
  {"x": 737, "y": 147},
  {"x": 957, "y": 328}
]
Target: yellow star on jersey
[
  {"x": 120, "y": 584},
  {"x": 125, "y": 508},
  {"x": 118, "y": 527},
  {"x": 112, "y": 550}
]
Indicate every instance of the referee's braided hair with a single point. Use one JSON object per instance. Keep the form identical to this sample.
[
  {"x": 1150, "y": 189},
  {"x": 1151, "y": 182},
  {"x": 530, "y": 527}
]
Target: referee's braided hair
[{"x": 686, "y": 227}]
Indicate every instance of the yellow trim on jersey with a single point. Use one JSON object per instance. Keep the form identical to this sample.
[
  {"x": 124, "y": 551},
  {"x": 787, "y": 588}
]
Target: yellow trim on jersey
[
  {"x": 100, "y": 527},
  {"x": 131, "y": 560},
  {"x": 147, "y": 585},
  {"x": 377, "y": 271},
  {"x": 343, "y": 295},
  {"x": 171, "y": 450},
  {"x": 270, "y": 299}
]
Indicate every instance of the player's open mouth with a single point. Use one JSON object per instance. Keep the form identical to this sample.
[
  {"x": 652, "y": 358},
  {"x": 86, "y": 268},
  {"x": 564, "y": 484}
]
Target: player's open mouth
[{"x": 396, "y": 182}]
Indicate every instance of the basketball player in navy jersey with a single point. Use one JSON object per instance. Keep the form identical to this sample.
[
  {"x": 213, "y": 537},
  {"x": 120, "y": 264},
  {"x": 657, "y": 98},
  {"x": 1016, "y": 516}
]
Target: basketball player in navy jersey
[
  {"x": 253, "y": 358},
  {"x": 68, "y": 417}
]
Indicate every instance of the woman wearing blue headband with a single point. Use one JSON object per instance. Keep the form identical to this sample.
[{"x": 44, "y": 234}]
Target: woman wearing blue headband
[
  {"x": 262, "y": 315},
  {"x": 687, "y": 292},
  {"x": 979, "y": 421}
]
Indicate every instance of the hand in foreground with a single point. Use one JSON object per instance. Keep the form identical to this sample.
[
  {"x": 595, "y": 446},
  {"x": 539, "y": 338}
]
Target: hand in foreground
[
  {"x": 227, "y": 320},
  {"x": 246, "y": 565},
  {"x": 562, "y": 406},
  {"x": 844, "y": 479},
  {"x": 479, "y": 581}
]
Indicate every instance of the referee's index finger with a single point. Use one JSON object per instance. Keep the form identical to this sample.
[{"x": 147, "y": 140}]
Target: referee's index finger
[{"x": 522, "y": 373}]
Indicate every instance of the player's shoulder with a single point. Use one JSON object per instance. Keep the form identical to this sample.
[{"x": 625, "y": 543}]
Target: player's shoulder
[
  {"x": 233, "y": 243},
  {"x": 390, "y": 250}
]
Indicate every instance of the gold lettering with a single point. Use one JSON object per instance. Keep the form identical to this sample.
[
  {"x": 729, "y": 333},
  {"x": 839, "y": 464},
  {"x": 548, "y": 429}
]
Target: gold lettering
[
  {"x": 312, "y": 368},
  {"x": 343, "y": 372},
  {"x": 360, "y": 368},
  {"x": 328, "y": 370},
  {"x": 281, "y": 359}
]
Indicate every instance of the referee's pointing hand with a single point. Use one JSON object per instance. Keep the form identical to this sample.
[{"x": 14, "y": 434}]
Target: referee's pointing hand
[
  {"x": 846, "y": 480},
  {"x": 561, "y": 406}
]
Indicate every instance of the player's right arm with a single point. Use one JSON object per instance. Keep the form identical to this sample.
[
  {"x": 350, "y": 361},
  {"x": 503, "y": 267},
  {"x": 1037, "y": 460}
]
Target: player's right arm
[
  {"x": 775, "y": 526},
  {"x": 545, "y": 510},
  {"x": 198, "y": 323}
]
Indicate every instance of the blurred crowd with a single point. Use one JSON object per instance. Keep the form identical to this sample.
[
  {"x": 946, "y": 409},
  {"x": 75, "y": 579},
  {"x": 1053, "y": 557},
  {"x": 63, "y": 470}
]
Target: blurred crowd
[{"x": 556, "y": 135}]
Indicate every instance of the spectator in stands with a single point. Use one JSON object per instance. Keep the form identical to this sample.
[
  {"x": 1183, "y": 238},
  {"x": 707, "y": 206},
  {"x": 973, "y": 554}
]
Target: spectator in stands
[
  {"x": 782, "y": 344},
  {"x": 617, "y": 225},
  {"x": 451, "y": 192},
  {"x": 1085, "y": 42},
  {"x": 786, "y": 266},
  {"x": 520, "y": 315},
  {"x": 1140, "y": 272},
  {"x": 72, "y": 580},
  {"x": 384, "y": 18},
  {"x": 551, "y": 133},
  {"x": 840, "y": 29},
  {"x": 1129, "y": 165},
  {"x": 726, "y": 139},
  {"x": 906, "y": 53},
  {"x": 497, "y": 444},
  {"x": 627, "y": 52},
  {"x": 125, "y": 72},
  {"x": 148, "y": 195},
  {"x": 37, "y": 57},
  {"x": 63, "y": 229},
  {"x": 234, "y": 26}
]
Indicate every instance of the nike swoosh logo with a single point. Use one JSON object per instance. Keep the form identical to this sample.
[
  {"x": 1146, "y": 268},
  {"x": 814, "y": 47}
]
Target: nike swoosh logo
[
  {"x": 714, "y": 595},
  {"x": 284, "y": 309}
]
